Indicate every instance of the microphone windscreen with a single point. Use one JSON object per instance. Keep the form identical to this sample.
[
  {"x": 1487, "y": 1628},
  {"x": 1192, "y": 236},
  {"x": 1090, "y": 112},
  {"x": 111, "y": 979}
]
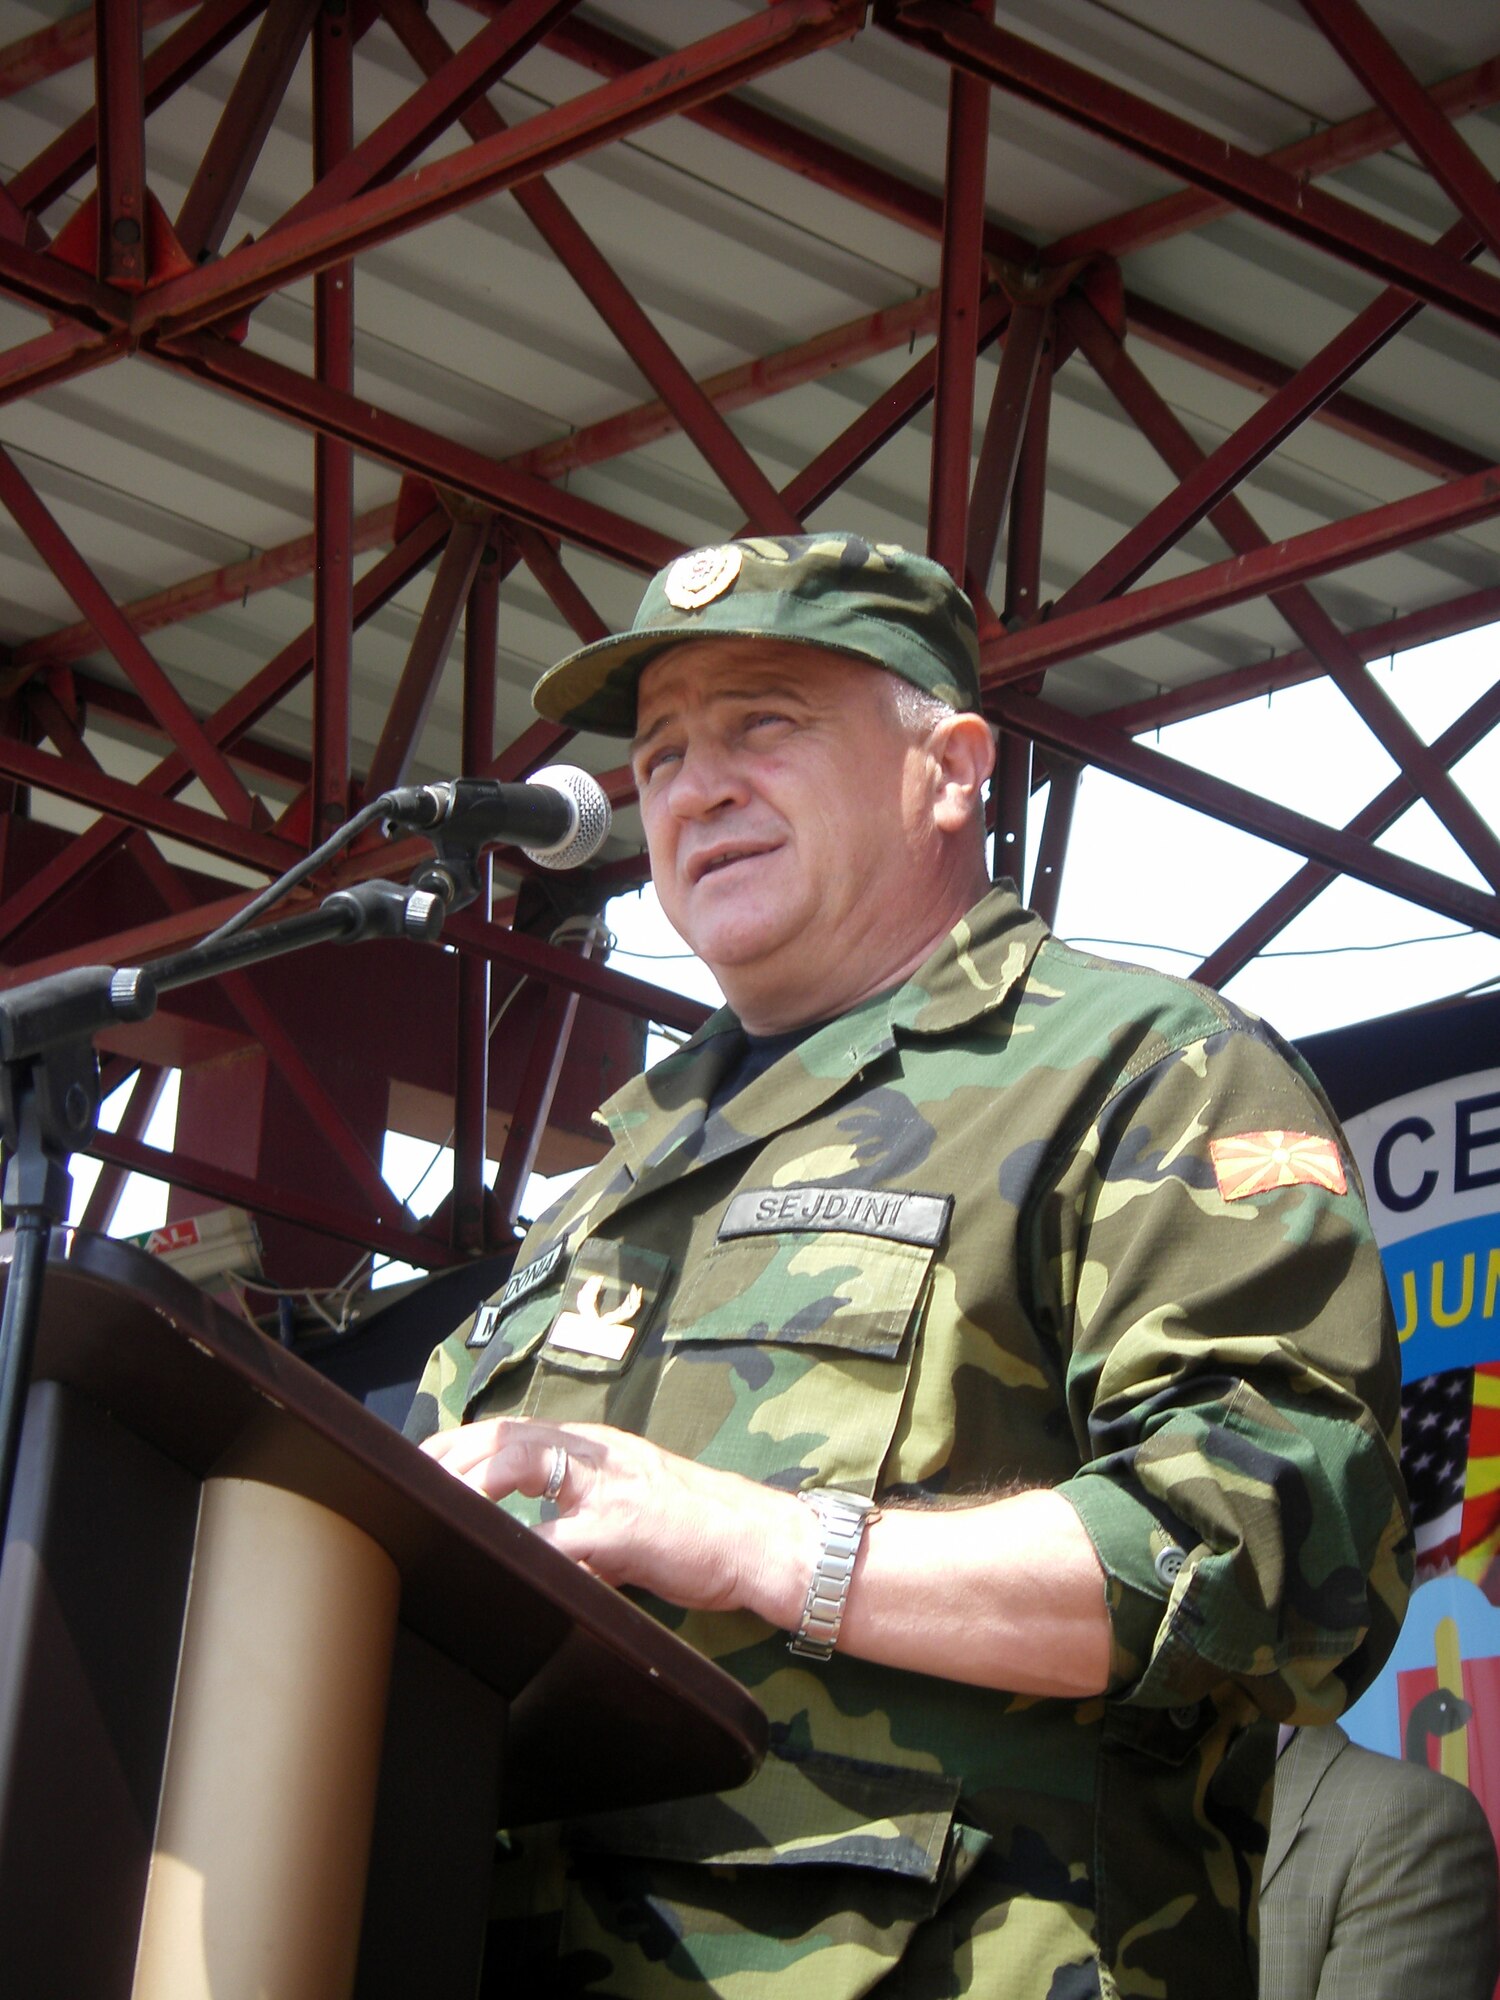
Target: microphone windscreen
[{"x": 591, "y": 821}]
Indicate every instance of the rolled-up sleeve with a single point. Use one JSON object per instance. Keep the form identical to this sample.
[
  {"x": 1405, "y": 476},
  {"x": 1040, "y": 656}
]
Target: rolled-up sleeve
[{"x": 1233, "y": 1383}]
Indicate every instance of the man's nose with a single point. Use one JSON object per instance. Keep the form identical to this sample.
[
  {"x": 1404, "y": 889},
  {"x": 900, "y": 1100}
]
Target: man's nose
[{"x": 707, "y": 778}]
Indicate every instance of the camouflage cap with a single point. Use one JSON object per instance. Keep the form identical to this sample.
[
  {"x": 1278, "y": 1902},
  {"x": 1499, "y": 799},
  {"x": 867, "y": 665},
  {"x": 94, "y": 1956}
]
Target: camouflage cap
[{"x": 868, "y": 600}]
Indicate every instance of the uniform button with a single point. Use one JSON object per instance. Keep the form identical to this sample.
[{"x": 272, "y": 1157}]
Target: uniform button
[
  {"x": 1167, "y": 1565},
  {"x": 1185, "y": 1718}
]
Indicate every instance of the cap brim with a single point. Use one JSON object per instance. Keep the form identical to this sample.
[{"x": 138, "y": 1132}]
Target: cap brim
[{"x": 595, "y": 688}]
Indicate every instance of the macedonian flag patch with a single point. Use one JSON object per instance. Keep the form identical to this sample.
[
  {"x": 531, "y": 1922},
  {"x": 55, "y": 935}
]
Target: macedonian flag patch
[{"x": 1257, "y": 1162}]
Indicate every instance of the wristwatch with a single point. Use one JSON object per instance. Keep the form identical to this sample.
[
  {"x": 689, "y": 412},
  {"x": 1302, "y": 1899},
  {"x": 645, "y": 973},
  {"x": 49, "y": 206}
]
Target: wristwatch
[{"x": 844, "y": 1517}]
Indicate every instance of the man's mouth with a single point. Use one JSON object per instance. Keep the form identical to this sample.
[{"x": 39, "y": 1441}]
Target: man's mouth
[{"x": 718, "y": 859}]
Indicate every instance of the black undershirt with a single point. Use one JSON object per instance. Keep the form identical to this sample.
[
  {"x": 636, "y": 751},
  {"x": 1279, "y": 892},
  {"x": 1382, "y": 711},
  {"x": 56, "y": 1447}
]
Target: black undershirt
[{"x": 756, "y": 1055}]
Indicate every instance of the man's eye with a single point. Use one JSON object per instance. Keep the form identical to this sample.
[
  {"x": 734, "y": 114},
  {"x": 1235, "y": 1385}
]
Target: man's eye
[{"x": 658, "y": 760}]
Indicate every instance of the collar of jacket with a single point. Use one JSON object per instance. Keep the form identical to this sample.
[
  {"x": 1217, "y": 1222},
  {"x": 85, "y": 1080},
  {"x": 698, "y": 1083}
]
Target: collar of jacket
[
  {"x": 660, "y": 1121},
  {"x": 1298, "y": 1776}
]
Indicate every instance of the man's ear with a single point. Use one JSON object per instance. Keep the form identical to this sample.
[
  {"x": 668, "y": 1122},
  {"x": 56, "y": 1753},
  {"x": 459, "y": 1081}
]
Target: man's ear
[{"x": 962, "y": 748}]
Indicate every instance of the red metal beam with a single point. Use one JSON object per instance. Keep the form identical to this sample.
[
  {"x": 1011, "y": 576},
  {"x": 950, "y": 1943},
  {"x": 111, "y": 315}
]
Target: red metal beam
[
  {"x": 1005, "y": 427},
  {"x": 1255, "y": 440},
  {"x": 751, "y": 47},
  {"x": 118, "y": 93},
  {"x": 126, "y": 802},
  {"x": 884, "y": 193},
  {"x": 467, "y": 930},
  {"x": 542, "y": 558},
  {"x": 14, "y": 222},
  {"x": 875, "y": 426},
  {"x": 249, "y": 112},
  {"x": 776, "y": 139},
  {"x": 471, "y": 1088},
  {"x": 1023, "y": 563},
  {"x": 1257, "y": 677},
  {"x": 1057, "y": 826},
  {"x": 242, "y": 993},
  {"x": 55, "y": 357},
  {"x": 734, "y": 388},
  {"x": 1010, "y": 792},
  {"x": 1095, "y": 743},
  {"x": 410, "y": 448},
  {"x": 180, "y": 57},
  {"x": 237, "y": 715},
  {"x": 1322, "y": 152},
  {"x": 1307, "y": 618},
  {"x": 1273, "y": 916},
  {"x": 361, "y": 1227},
  {"x": 36, "y": 279},
  {"x": 916, "y": 208},
  {"x": 205, "y": 592},
  {"x": 1439, "y": 510},
  {"x": 325, "y": 1118},
  {"x": 333, "y": 459},
  {"x": 453, "y": 82},
  {"x": 434, "y": 636},
  {"x": 104, "y": 1198},
  {"x": 533, "y": 748},
  {"x": 1235, "y": 361},
  {"x": 958, "y": 329},
  {"x": 549, "y": 1047},
  {"x": 1256, "y": 185},
  {"x": 692, "y": 409},
  {"x": 258, "y": 760},
  {"x": 65, "y": 44},
  {"x": 566, "y": 969},
  {"x": 153, "y": 686},
  {"x": 1453, "y": 164}
]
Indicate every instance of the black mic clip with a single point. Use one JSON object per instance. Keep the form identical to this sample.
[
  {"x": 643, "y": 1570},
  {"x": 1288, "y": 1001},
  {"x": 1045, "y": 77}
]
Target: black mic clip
[{"x": 452, "y": 875}]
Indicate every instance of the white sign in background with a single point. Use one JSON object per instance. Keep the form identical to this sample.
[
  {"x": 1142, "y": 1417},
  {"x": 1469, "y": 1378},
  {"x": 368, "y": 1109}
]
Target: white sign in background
[{"x": 1431, "y": 1167}]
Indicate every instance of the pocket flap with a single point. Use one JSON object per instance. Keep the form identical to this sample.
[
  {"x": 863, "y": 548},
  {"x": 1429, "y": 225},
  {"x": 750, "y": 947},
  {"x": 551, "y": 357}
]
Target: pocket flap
[
  {"x": 816, "y": 1809},
  {"x": 831, "y": 1289}
]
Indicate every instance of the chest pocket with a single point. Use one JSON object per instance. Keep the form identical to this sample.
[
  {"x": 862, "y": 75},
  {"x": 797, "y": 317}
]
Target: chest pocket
[{"x": 790, "y": 1344}]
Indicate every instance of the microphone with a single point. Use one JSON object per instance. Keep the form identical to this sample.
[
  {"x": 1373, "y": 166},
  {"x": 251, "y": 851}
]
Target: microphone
[{"x": 560, "y": 819}]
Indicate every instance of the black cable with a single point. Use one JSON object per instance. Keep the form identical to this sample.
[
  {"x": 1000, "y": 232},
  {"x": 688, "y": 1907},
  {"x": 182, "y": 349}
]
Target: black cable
[{"x": 299, "y": 871}]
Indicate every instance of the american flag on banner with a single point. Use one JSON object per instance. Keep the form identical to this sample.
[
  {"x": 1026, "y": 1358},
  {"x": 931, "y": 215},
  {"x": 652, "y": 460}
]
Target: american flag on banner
[{"x": 1450, "y": 1456}]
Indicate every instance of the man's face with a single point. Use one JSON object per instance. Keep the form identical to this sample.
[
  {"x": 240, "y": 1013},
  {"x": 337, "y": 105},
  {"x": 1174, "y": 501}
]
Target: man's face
[{"x": 788, "y": 819}]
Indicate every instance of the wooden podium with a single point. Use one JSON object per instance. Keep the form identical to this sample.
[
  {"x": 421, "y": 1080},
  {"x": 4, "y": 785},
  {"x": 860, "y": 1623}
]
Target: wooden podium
[{"x": 270, "y": 1678}]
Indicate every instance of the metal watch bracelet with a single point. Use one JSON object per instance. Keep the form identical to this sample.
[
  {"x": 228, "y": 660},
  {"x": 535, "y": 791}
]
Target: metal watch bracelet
[{"x": 843, "y": 1517}]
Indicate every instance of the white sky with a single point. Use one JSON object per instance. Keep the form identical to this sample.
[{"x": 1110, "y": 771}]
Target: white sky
[{"x": 1155, "y": 882}]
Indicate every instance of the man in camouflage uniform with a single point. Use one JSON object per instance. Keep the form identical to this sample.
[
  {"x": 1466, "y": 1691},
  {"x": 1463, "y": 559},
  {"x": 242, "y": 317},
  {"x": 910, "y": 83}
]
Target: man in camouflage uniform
[{"x": 1059, "y": 1262}]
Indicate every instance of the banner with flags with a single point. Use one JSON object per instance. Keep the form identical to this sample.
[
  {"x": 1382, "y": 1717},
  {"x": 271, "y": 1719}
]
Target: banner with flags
[{"x": 1419, "y": 1096}]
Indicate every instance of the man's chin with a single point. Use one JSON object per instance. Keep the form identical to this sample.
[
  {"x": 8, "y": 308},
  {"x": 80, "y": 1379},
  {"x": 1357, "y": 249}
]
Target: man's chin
[{"x": 731, "y": 940}]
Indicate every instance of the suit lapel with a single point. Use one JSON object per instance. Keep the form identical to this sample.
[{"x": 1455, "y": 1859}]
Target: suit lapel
[{"x": 1300, "y": 1769}]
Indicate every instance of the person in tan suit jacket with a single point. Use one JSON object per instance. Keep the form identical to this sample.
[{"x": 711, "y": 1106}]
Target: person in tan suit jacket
[{"x": 1380, "y": 1880}]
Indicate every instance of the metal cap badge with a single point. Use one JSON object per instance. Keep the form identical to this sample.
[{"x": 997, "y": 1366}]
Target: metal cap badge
[{"x": 870, "y": 601}]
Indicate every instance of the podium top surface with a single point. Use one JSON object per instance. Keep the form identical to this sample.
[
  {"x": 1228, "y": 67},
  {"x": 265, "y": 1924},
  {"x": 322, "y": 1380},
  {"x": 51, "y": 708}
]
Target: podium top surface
[{"x": 643, "y": 1715}]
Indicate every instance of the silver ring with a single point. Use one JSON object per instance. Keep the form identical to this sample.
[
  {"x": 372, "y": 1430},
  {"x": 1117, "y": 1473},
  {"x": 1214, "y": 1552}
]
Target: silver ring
[{"x": 558, "y": 1473}]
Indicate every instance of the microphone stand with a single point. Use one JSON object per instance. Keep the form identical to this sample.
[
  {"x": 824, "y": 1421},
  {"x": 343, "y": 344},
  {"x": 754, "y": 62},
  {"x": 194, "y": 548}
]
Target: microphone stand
[{"x": 49, "y": 1085}]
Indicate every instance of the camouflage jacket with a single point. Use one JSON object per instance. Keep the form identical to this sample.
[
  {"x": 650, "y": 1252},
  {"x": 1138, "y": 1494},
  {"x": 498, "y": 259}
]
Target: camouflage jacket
[{"x": 1030, "y": 1219}]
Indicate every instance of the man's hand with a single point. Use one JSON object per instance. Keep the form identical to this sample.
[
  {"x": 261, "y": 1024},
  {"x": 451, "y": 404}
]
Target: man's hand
[
  {"x": 632, "y": 1513},
  {"x": 1005, "y": 1593}
]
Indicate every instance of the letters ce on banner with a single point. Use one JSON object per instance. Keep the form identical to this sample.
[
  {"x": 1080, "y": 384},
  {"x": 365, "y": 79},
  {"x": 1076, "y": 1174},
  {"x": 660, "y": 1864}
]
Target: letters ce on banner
[{"x": 1431, "y": 1165}]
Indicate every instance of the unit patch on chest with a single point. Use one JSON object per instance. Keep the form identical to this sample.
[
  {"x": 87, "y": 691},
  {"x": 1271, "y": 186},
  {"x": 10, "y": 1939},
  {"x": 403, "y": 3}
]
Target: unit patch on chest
[{"x": 589, "y": 1329}]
